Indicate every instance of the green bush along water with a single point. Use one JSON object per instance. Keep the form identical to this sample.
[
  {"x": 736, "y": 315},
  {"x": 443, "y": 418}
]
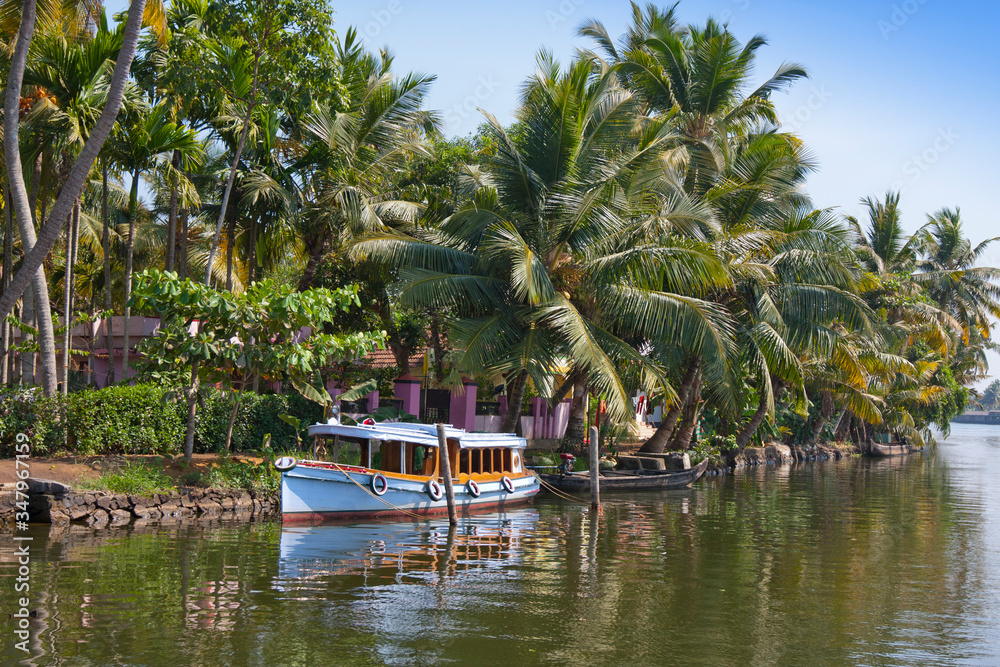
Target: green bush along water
[{"x": 140, "y": 419}]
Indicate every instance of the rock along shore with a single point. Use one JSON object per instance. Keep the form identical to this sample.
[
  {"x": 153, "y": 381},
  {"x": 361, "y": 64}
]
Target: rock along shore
[
  {"x": 59, "y": 504},
  {"x": 751, "y": 457}
]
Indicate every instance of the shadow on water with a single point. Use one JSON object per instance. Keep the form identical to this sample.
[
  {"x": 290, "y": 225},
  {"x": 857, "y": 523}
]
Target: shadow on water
[{"x": 890, "y": 562}]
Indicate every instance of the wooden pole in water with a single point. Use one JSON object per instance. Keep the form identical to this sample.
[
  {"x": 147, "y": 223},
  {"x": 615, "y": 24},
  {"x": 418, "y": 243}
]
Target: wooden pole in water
[
  {"x": 449, "y": 489},
  {"x": 595, "y": 472}
]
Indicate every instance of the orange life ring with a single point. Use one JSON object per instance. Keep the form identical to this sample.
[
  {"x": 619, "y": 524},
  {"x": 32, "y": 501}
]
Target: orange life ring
[
  {"x": 507, "y": 484},
  {"x": 434, "y": 490},
  {"x": 379, "y": 484}
]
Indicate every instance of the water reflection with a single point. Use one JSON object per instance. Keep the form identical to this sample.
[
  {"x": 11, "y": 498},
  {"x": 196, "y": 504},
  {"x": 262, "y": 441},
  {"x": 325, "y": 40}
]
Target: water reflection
[
  {"x": 889, "y": 562},
  {"x": 415, "y": 549}
]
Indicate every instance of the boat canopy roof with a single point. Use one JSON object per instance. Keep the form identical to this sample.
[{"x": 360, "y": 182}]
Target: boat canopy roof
[{"x": 421, "y": 434}]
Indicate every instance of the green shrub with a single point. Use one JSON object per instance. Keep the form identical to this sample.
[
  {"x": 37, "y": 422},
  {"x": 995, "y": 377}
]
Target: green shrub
[
  {"x": 125, "y": 419},
  {"x": 712, "y": 447},
  {"x": 136, "y": 419},
  {"x": 134, "y": 478},
  {"x": 213, "y": 419},
  {"x": 26, "y": 410},
  {"x": 245, "y": 475},
  {"x": 258, "y": 415}
]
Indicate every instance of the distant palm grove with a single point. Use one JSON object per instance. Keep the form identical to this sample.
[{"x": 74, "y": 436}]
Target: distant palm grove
[{"x": 641, "y": 227}]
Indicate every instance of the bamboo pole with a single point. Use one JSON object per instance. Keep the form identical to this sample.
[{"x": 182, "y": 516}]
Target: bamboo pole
[
  {"x": 595, "y": 472},
  {"x": 449, "y": 489}
]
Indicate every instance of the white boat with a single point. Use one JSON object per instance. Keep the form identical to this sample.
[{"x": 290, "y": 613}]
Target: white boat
[{"x": 400, "y": 473}]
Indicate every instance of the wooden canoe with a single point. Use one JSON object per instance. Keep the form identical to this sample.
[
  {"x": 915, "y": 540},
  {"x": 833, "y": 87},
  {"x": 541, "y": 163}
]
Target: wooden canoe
[
  {"x": 627, "y": 480},
  {"x": 891, "y": 450}
]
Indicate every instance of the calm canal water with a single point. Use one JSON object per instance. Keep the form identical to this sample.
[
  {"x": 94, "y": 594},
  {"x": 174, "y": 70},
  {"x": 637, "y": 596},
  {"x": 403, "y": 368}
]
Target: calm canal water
[{"x": 861, "y": 562}]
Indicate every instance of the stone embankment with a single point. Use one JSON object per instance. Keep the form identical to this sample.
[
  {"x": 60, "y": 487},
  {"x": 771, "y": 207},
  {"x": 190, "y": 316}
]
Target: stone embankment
[
  {"x": 771, "y": 454},
  {"x": 58, "y": 504}
]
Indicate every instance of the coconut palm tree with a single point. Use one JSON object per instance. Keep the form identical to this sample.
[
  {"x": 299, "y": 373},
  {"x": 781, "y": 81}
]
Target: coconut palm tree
[
  {"x": 544, "y": 266},
  {"x": 947, "y": 271},
  {"x": 698, "y": 77},
  {"x": 883, "y": 245},
  {"x": 353, "y": 154},
  {"x": 76, "y": 179},
  {"x": 145, "y": 138}
]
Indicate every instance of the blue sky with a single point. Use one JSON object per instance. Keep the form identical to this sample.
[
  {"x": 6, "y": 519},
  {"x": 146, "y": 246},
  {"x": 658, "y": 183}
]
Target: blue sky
[{"x": 899, "y": 94}]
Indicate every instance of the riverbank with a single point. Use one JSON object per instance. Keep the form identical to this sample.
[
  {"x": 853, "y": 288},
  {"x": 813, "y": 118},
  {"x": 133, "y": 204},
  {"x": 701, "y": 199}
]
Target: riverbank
[
  {"x": 117, "y": 490},
  {"x": 59, "y": 504},
  {"x": 629, "y": 457},
  {"x": 61, "y": 491}
]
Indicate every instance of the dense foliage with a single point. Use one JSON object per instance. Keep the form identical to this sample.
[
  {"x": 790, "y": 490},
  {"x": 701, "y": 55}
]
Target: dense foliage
[
  {"x": 643, "y": 225},
  {"x": 138, "y": 419}
]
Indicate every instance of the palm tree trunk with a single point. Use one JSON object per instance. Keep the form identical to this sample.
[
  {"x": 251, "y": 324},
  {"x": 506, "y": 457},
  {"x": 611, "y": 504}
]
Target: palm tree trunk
[
  {"x": 515, "y": 397},
  {"x": 232, "y": 416},
  {"x": 230, "y": 248},
  {"x": 192, "y": 406},
  {"x": 8, "y": 233},
  {"x": 92, "y": 339},
  {"x": 252, "y": 259},
  {"x": 825, "y": 412},
  {"x": 26, "y": 372},
  {"x": 232, "y": 169},
  {"x": 315, "y": 254},
  {"x": 78, "y": 174},
  {"x": 172, "y": 217},
  {"x": 843, "y": 424},
  {"x": 33, "y": 359},
  {"x": 68, "y": 297},
  {"x": 436, "y": 346},
  {"x": 37, "y": 307},
  {"x": 37, "y": 311},
  {"x": 106, "y": 245},
  {"x": 133, "y": 206},
  {"x": 743, "y": 437},
  {"x": 576, "y": 427},
  {"x": 658, "y": 441},
  {"x": 184, "y": 244},
  {"x": 690, "y": 420}
]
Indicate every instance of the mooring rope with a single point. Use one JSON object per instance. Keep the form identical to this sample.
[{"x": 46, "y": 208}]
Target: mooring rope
[
  {"x": 375, "y": 496},
  {"x": 555, "y": 491}
]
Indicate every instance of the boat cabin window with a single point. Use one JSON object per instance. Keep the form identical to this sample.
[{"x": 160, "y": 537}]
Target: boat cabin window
[
  {"x": 486, "y": 460},
  {"x": 407, "y": 458}
]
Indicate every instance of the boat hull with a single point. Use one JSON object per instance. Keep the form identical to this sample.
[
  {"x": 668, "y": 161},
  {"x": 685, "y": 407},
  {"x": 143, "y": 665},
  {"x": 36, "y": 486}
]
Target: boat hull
[
  {"x": 641, "y": 480},
  {"x": 316, "y": 494},
  {"x": 879, "y": 450}
]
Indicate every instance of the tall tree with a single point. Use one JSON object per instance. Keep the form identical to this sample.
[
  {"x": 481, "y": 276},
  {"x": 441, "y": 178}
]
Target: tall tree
[
  {"x": 37, "y": 250},
  {"x": 144, "y": 138}
]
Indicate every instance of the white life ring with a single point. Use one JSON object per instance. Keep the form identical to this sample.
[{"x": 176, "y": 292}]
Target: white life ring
[
  {"x": 507, "y": 484},
  {"x": 434, "y": 490},
  {"x": 379, "y": 484},
  {"x": 285, "y": 463},
  {"x": 473, "y": 488}
]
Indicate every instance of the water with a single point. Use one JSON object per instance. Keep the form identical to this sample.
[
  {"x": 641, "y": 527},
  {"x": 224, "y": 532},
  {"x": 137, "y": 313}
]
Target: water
[{"x": 860, "y": 562}]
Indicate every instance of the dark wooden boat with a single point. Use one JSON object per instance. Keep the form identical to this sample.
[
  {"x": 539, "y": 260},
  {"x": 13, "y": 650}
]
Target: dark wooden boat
[
  {"x": 898, "y": 449},
  {"x": 627, "y": 480}
]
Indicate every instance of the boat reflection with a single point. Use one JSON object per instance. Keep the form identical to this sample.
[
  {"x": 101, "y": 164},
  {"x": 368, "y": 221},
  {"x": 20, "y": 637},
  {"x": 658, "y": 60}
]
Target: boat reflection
[{"x": 484, "y": 541}]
